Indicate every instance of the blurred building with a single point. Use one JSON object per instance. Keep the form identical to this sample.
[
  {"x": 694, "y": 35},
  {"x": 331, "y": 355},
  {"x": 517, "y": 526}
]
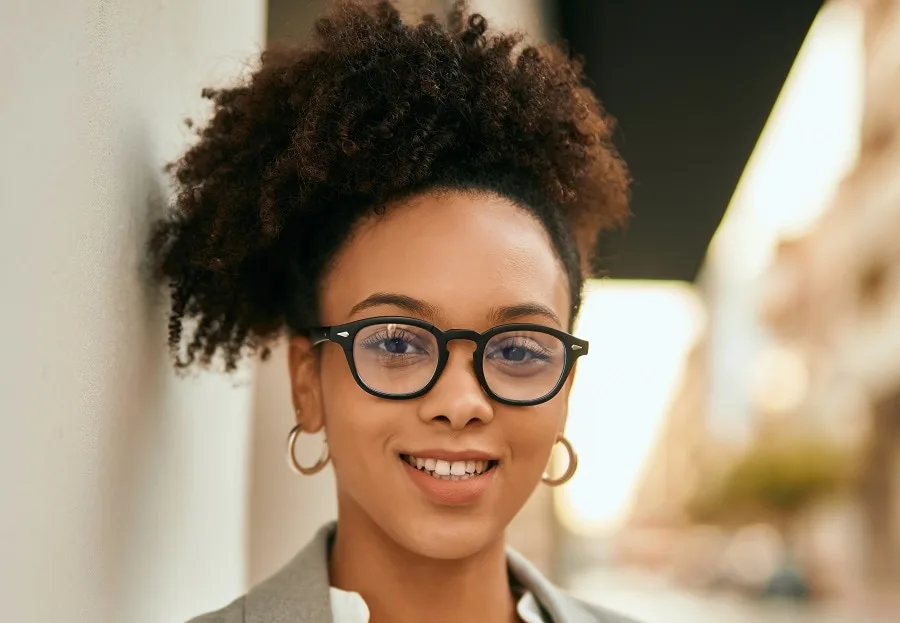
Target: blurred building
[
  {"x": 671, "y": 473},
  {"x": 802, "y": 289},
  {"x": 833, "y": 296}
]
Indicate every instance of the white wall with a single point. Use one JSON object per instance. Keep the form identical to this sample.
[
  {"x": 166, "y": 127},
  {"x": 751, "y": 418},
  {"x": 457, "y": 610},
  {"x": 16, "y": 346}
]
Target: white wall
[{"x": 124, "y": 489}]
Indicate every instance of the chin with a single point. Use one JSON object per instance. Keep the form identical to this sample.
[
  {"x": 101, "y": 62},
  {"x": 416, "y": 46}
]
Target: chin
[
  {"x": 438, "y": 520},
  {"x": 445, "y": 538}
]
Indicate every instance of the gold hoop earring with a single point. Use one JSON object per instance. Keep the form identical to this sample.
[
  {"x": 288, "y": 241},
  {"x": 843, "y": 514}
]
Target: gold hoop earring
[
  {"x": 570, "y": 470},
  {"x": 292, "y": 459}
]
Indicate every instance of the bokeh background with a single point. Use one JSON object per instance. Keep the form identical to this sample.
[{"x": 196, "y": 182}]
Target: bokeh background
[{"x": 738, "y": 420}]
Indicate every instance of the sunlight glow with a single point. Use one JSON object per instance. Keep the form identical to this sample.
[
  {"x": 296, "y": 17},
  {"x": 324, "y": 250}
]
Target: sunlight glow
[
  {"x": 640, "y": 335},
  {"x": 807, "y": 146}
]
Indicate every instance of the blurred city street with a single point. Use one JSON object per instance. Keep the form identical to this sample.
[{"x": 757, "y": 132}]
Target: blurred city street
[{"x": 651, "y": 600}]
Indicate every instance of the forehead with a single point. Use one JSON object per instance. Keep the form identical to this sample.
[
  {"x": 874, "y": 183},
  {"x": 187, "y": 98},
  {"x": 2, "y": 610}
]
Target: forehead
[{"x": 464, "y": 253}]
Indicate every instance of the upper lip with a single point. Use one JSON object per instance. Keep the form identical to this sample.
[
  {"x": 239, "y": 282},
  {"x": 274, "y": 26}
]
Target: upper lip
[{"x": 448, "y": 455}]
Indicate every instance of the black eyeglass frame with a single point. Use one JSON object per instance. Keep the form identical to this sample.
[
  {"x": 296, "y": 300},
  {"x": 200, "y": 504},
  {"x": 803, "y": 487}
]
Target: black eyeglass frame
[{"x": 344, "y": 335}]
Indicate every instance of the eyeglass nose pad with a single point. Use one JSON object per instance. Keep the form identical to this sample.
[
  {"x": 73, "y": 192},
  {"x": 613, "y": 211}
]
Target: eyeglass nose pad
[
  {"x": 446, "y": 352},
  {"x": 461, "y": 335}
]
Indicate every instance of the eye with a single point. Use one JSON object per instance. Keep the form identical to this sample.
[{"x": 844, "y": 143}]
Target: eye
[
  {"x": 518, "y": 350},
  {"x": 394, "y": 342},
  {"x": 397, "y": 345}
]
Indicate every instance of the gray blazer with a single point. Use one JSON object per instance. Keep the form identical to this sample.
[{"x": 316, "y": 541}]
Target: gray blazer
[{"x": 299, "y": 593}]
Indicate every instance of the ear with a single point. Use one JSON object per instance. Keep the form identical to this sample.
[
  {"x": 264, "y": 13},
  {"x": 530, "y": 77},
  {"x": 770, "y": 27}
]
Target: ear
[{"x": 306, "y": 389}]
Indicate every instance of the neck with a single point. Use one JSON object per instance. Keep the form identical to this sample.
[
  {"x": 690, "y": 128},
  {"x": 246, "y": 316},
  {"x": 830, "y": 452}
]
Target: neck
[{"x": 403, "y": 587}]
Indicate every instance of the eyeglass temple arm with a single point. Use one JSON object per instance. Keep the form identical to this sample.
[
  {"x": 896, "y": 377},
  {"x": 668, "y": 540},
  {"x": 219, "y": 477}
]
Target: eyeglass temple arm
[{"x": 318, "y": 335}]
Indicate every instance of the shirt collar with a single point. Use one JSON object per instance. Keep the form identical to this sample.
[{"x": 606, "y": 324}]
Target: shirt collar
[
  {"x": 301, "y": 591},
  {"x": 350, "y": 607}
]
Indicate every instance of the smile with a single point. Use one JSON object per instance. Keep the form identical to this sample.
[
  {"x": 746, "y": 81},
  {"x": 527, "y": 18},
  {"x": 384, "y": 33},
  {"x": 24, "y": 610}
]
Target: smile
[
  {"x": 450, "y": 470},
  {"x": 450, "y": 478}
]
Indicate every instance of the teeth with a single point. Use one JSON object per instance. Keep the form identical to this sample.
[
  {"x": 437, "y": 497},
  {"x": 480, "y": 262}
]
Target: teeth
[{"x": 449, "y": 470}]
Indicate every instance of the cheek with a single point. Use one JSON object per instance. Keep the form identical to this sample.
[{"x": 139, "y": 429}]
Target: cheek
[
  {"x": 531, "y": 434},
  {"x": 358, "y": 425}
]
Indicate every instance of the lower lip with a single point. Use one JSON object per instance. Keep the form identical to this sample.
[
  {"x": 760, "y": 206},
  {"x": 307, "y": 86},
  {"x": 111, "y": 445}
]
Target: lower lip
[{"x": 450, "y": 492}]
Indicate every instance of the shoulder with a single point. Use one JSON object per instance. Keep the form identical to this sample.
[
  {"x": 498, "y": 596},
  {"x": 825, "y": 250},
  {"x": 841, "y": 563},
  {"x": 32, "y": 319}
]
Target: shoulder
[
  {"x": 598, "y": 614},
  {"x": 559, "y": 605},
  {"x": 232, "y": 613},
  {"x": 297, "y": 592}
]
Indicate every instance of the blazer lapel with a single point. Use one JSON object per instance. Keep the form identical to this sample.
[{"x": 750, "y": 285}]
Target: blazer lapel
[
  {"x": 299, "y": 592},
  {"x": 561, "y": 608}
]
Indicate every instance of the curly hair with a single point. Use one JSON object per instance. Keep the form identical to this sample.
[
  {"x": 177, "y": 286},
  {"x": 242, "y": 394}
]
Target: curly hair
[{"x": 372, "y": 110}]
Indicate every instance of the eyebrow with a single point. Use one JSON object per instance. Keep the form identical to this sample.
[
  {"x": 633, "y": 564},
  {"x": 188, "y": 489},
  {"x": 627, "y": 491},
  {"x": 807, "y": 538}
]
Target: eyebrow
[
  {"x": 497, "y": 315},
  {"x": 406, "y": 303},
  {"x": 500, "y": 315}
]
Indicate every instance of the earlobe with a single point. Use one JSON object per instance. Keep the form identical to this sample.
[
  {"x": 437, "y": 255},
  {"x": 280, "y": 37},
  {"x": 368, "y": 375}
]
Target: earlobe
[{"x": 303, "y": 368}]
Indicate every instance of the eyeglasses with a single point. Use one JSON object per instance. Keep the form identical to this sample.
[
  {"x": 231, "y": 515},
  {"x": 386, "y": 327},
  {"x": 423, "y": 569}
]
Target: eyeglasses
[{"x": 401, "y": 358}]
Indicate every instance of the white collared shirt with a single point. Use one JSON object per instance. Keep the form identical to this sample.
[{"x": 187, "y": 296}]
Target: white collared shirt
[{"x": 349, "y": 607}]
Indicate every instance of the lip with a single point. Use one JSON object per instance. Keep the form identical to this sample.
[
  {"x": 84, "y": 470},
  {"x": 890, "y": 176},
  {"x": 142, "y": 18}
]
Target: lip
[
  {"x": 447, "y": 455},
  {"x": 450, "y": 492}
]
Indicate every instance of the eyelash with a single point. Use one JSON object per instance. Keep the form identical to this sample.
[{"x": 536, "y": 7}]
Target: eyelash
[
  {"x": 533, "y": 347},
  {"x": 382, "y": 336}
]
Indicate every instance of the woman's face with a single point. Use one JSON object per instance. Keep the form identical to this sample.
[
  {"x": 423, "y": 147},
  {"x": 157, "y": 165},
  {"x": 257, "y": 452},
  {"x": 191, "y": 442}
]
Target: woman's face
[{"x": 464, "y": 258}]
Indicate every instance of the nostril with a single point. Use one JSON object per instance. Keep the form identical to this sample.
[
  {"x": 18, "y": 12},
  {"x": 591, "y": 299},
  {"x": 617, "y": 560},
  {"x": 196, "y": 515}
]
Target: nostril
[{"x": 442, "y": 418}]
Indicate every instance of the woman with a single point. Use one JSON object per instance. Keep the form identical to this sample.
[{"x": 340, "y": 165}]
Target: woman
[{"x": 415, "y": 206}]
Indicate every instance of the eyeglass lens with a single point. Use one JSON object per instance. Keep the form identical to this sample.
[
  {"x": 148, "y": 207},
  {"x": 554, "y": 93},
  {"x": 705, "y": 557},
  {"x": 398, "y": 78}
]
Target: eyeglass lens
[{"x": 400, "y": 359}]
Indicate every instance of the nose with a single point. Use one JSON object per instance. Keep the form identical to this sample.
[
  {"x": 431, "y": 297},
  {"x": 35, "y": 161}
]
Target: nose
[{"x": 457, "y": 398}]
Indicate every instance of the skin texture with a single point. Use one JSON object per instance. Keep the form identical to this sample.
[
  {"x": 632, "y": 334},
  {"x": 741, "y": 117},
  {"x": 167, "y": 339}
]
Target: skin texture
[{"x": 467, "y": 255}]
